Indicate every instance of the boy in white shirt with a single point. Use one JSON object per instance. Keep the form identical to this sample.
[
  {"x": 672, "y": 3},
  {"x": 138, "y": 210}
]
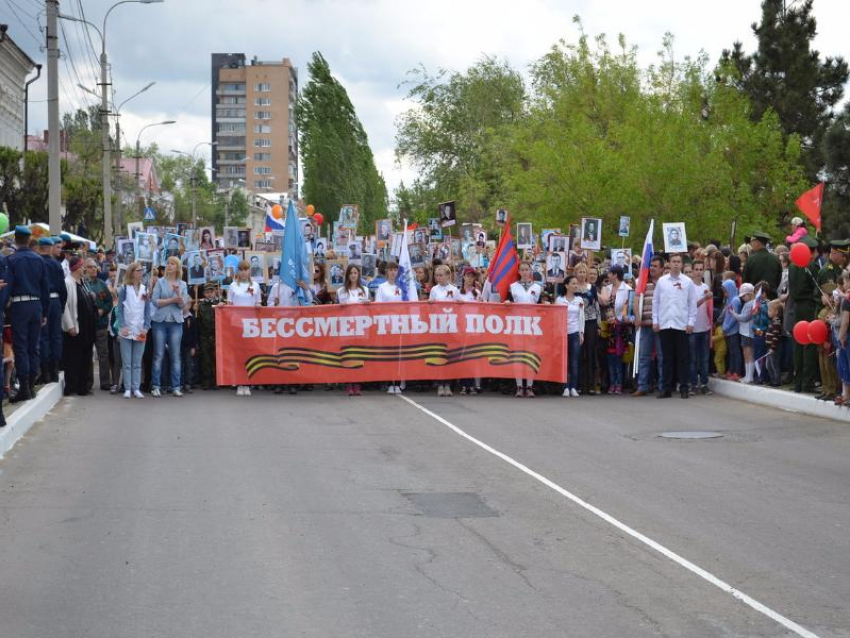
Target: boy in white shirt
[
  {"x": 674, "y": 309},
  {"x": 700, "y": 339},
  {"x": 389, "y": 292}
]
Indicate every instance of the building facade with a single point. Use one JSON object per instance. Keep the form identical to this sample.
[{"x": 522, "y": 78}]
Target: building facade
[
  {"x": 253, "y": 124},
  {"x": 15, "y": 66}
]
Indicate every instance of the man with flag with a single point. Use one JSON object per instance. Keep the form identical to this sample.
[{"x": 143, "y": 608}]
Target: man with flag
[
  {"x": 647, "y": 341},
  {"x": 406, "y": 278},
  {"x": 504, "y": 269},
  {"x": 294, "y": 260}
]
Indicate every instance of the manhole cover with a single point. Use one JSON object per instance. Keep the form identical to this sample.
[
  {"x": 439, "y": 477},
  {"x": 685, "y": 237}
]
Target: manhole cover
[
  {"x": 450, "y": 504},
  {"x": 690, "y": 435}
]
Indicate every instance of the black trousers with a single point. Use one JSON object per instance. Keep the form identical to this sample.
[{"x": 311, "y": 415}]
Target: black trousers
[
  {"x": 675, "y": 359},
  {"x": 589, "y": 357},
  {"x": 77, "y": 362}
]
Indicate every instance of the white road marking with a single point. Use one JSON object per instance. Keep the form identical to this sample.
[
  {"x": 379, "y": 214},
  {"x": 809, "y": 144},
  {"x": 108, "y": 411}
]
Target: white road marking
[{"x": 658, "y": 547}]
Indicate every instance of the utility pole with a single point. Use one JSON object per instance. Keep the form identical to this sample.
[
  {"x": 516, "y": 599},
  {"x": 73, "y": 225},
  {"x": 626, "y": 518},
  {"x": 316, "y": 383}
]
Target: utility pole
[
  {"x": 119, "y": 225},
  {"x": 107, "y": 150},
  {"x": 54, "y": 167}
]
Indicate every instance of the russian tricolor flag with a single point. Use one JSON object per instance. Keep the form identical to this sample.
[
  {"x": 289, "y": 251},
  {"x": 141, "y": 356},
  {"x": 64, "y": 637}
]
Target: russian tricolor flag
[
  {"x": 272, "y": 224},
  {"x": 646, "y": 258}
]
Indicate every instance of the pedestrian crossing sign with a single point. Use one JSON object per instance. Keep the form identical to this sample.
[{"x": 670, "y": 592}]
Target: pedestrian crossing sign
[{"x": 150, "y": 214}]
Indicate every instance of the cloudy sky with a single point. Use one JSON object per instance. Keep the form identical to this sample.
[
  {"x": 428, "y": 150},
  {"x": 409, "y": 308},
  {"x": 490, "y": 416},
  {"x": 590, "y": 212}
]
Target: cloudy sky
[{"x": 370, "y": 45}]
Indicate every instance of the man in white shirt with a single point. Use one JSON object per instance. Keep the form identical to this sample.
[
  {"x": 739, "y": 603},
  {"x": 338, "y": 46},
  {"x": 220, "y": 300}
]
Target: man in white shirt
[
  {"x": 701, "y": 337},
  {"x": 674, "y": 310}
]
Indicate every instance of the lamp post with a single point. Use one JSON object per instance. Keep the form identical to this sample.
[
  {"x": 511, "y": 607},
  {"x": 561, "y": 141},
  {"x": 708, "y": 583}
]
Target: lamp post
[
  {"x": 104, "y": 114},
  {"x": 138, "y": 146}
]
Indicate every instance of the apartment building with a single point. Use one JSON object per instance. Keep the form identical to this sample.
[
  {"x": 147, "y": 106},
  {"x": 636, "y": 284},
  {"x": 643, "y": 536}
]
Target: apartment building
[
  {"x": 253, "y": 124},
  {"x": 15, "y": 65}
]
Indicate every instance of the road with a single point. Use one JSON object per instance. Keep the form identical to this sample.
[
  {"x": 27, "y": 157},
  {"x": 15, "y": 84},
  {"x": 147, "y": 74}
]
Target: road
[{"x": 321, "y": 515}]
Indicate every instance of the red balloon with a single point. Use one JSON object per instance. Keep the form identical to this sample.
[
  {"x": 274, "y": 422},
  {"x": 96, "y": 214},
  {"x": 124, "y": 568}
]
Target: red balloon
[
  {"x": 818, "y": 331},
  {"x": 801, "y": 333},
  {"x": 320, "y": 219},
  {"x": 801, "y": 255}
]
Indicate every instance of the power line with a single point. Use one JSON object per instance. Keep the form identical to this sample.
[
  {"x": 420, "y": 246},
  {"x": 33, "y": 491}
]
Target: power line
[
  {"x": 24, "y": 24},
  {"x": 80, "y": 41},
  {"x": 88, "y": 35},
  {"x": 70, "y": 60}
]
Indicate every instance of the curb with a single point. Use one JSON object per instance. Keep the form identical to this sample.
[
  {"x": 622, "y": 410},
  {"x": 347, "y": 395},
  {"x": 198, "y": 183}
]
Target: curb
[
  {"x": 781, "y": 399},
  {"x": 23, "y": 418}
]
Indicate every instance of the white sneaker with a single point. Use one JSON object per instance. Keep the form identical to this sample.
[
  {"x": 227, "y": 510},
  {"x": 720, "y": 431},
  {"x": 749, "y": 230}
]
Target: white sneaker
[
  {"x": 127, "y": 394},
  {"x": 441, "y": 391},
  {"x": 391, "y": 390},
  {"x": 573, "y": 392},
  {"x": 246, "y": 392},
  {"x": 448, "y": 391},
  {"x": 240, "y": 391},
  {"x": 566, "y": 393},
  {"x": 398, "y": 389},
  {"x": 138, "y": 394},
  {"x": 156, "y": 393},
  {"x": 177, "y": 393}
]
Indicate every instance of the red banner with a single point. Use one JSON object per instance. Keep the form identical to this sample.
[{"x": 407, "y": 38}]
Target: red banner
[{"x": 390, "y": 341}]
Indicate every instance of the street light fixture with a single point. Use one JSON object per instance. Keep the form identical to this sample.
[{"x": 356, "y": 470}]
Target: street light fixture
[{"x": 104, "y": 113}]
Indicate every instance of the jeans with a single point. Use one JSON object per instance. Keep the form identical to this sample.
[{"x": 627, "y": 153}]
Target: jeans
[
  {"x": 648, "y": 340},
  {"x": 573, "y": 354},
  {"x": 131, "y": 361},
  {"x": 169, "y": 332},
  {"x": 774, "y": 372},
  {"x": 674, "y": 345},
  {"x": 736, "y": 356},
  {"x": 615, "y": 369},
  {"x": 189, "y": 367},
  {"x": 699, "y": 342}
]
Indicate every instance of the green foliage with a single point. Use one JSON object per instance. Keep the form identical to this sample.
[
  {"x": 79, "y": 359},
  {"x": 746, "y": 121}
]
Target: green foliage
[
  {"x": 23, "y": 188},
  {"x": 836, "y": 205},
  {"x": 601, "y": 137},
  {"x": 337, "y": 162}
]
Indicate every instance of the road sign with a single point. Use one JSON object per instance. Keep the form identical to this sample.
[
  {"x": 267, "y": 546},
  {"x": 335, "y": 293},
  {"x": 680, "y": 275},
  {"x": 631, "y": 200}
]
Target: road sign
[{"x": 150, "y": 214}]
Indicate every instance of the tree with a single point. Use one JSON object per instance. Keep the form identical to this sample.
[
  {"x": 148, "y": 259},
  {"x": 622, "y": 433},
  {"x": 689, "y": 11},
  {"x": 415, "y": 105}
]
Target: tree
[
  {"x": 836, "y": 204},
  {"x": 82, "y": 178},
  {"x": 454, "y": 134},
  {"x": 787, "y": 76},
  {"x": 338, "y": 164}
]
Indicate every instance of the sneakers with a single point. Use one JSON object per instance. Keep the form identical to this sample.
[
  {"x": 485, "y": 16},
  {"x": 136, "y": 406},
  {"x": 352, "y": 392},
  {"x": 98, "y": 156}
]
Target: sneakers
[
  {"x": 441, "y": 390},
  {"x": 156, "y": 393},
  {"x": 448, "y": 391},
  {"x": 573, "y": 393},
  {"x": 127, "y": 394},
  {"x": 138, "y": 394},
  {"x": 247, "y": 391},
  {"x": 114, "y": 390},
  {"x": 177, "y": 393},
  {"x": 463, "y": 390},
  {"x": 243, "y": 391},
  {"x": 391, "y": 390},
  {"x": 566, "y": 393},
  {"x": 529, "y": 393},
  {"x": 519, "y": 393}
]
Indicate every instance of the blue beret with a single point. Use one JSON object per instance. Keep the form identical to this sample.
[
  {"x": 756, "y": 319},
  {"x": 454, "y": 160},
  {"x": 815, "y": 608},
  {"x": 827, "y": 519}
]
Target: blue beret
[
  {"x": 65, "y": 237},
  {"x": 45, "y": 241},
  {"x": 22, "y": 230},
  {"x": 56, "y": 239}
]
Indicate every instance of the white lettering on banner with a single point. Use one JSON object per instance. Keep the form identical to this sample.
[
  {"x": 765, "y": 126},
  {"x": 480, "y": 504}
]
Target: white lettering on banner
[{"x": 362, "y": 325}]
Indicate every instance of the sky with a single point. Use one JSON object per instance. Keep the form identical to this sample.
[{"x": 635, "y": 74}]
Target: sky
[{"x": 370, "y": 45}]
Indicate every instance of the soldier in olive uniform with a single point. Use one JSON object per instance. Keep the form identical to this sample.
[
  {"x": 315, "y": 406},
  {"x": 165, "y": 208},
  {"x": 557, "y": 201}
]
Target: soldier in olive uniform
[
  {"x": 803, "y": 292},
  {"x": 828, "y": 278},
  {"x": 762, "y": 265},
  {"x": 206, "y": 331}
]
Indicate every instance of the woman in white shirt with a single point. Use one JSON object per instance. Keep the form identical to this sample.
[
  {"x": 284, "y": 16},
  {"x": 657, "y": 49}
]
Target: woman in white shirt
[
  {"x": 352, "y": 291},
  {"x": 444, "y": 292},
  {"x": 470, "y": 293},
  {"x": 575, "y": 331},
  {"x": 244, "y": 292},
  {"x": 132, "y": 321},
  {"x": 389, "y": 292},
  {"x": 525, "y": 291}
]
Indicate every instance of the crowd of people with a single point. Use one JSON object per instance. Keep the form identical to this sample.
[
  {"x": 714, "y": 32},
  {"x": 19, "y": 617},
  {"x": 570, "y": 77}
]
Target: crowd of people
[{"x": 710, "y": 311}]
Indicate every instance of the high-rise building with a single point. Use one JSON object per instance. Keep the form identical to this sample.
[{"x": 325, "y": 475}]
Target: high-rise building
[{"x": 253, "y": 124}]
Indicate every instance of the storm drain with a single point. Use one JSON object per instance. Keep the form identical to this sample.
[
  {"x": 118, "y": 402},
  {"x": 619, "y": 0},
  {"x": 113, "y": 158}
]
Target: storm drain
[
  {"x": 450, "y": 504},
  {"x": 691, "y": 435}
]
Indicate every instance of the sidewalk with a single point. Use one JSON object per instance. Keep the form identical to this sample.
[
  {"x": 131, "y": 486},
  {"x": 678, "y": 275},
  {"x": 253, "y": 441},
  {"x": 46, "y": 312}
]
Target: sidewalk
[
  {"x": 25, "y": 415},
  {"x": 782, "y": 399}
]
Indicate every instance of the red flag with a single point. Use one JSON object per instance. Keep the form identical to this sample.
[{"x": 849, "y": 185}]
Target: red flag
[
  {"x": 412, "y": 226},
  {"x": 504, "y": 269},
  {"x": 810, "y": 203}
]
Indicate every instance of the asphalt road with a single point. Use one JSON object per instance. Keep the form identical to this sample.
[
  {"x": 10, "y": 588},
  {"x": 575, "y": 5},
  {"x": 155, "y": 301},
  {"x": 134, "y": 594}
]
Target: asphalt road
[{"x": 321, "y": 515}]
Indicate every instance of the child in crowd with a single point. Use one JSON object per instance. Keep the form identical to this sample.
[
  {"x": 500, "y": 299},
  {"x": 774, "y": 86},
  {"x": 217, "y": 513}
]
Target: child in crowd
[
  {"x": 745, "y": 329},
  {"x": 843, "y": 353},
  {"x": 615, "y": 347},
  {"x": 718, "y": 343},
  {"x": 773, "y": 334},
  {"x": 444, "y": 291},
  {"x": 731, "y": 331},
  {"x": 189, "y": 346}
]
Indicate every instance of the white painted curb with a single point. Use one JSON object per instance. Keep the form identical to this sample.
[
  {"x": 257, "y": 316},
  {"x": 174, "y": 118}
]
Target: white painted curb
[
  {"x": 782, "y": 399},
  {"x": 22, "y": 419}
]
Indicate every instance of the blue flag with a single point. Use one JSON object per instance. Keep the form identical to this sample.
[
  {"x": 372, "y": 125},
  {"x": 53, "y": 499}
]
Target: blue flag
[{"x": 294, "y": 261}]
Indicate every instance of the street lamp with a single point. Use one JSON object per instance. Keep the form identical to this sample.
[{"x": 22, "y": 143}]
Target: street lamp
[
  {"x": 104, "y": 113},
  {"x": 138, "y": 142}
]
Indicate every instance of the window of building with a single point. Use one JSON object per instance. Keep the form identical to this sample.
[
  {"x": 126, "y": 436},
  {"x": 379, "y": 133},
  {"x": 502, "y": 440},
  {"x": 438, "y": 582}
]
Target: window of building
[
  {"x": 262, "y": 170},
  {"x": 262, "y": 142},
  {"x": 220, "y": 113},
  {"x": 234, "y": 170},
  {"x": 262, "y": 115},
  {"x": 262, "y": 128},
  {"x": 232, "y": 156},
  {"x": 262, "y": 88},
  {"x": 262, "y": 157},
  {"x": 262, "y": 183},
  {"x": 262, "y": 101},
  {"x": 234, "y": 87},
  {"x": 231, "y": 127},
  {"x": 231, "y": 99}
]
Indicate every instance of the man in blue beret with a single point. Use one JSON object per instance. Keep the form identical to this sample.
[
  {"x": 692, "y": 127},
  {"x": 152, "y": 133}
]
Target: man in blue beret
[
  {"x": 50, "y": 353},
  {"x": 26, "y": 275},
  {"x": 4, "y": 298}
]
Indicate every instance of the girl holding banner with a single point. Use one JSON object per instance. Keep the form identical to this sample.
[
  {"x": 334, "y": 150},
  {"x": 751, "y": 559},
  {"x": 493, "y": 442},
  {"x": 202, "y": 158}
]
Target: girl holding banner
[
  {"x": 444, "y": 292},
  {"x": 525, "y": 291},
  {"x": 389, "y": 292},
  {"x": 244, "y": 292},
  {"x": 469, "y": 292},
  {"x": 352, "y": 291}
]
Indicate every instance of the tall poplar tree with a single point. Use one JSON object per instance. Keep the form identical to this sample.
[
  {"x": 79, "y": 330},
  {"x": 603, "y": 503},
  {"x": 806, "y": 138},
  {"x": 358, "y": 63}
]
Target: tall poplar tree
[{"x": 338, "y": 164}]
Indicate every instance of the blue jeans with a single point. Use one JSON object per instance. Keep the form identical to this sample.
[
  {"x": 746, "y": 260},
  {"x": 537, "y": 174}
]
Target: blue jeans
[
  {"x": 699, "y": 342},
  {"x": 169, "y": 332},
  {"x": 649, "y": 340},
  {"x": 132, "y": 352},
  {"x": 573, "y": 354},
  {"x": 615, "y": 369}
]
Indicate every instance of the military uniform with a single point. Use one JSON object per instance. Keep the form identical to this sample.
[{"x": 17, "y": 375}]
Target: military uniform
[
  {"x": 206, "y": 331},
  {"x": 26, "y": 275},
  {"x": 4, "y": 297},
  {"x": 763, "y": 266},
  {"x": 828, "y": 278},
  {"x": 803, "y": 292},
  {"x": 50, "y": 343}
]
